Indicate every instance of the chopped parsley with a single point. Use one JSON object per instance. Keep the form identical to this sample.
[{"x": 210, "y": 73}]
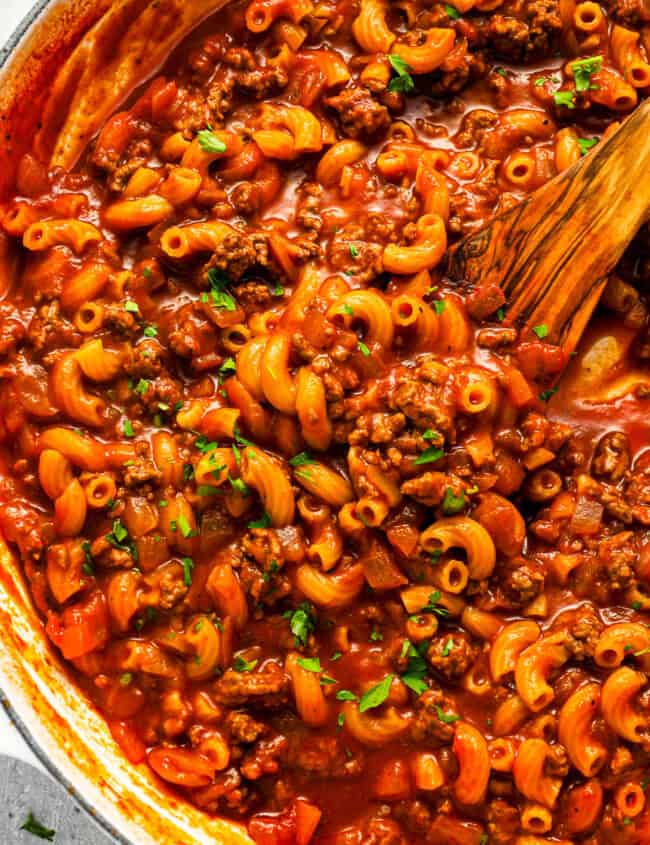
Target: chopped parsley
[
  {"x": 309, "y": 664},
  {"x": 209, "y": 142},
  {"x": 188, "y": 568},
  {"x": 586, "y": 144},
  {"x": 376, "y": 636},
  {"x": 125, "y": 679},
  {"x": 416, "y": 669},
  {"x": 403, "y": 82},
  {"x": 227, "y": 368},
  {"x": 119, "y": 539},
  {"x": 340, "y": 719},
  {"x": 363, "y": 349},
  {"x": 354, "y": 252},
  {"x": 127, "y": 427},
  {"x": 240, "y": 664},
  {"x": 131, "y": 306},
  {"x": 336, "y": 656},
  {"x": 583, "y": 69},
  {"x": 238, "y": 486},
  {"x": 564, "y": 98},
  {"x": 376, "y": 696},
  {"x": 432, "y": 605},
  {"x": 278, "y": 290},
  {"x": 545, "y": 395},
  {"x": 302, "y": 459},
  {"x": 88, "y": 566},
  {"x": 264, "y": 522},
  {"x": 453, "y": 503},
  {"x": 150, "y": 331},
  {"x": 186, "y": 529},
  {"x": 453, "y": 13},
  {"x": 142, "y": 386},
  {"x": 347, "y": 309},
  {"x": 541, "y": 331},
  {"x": 218, "y": 290},
  {"x": 446, "y": 718},
  {"x": 345, "y": 695},
  {"x": 37, "y": 829},
  {"x": 439, "y": 306},
  {"x": 301, "y": 623},
  {"x": 448, "y": 647},
  {"x": 500, "y": 315},
  {"x": 204, "y": 445},
  {"x": 501, "y": 71},
  {"x": 429, "y": 456},
  {"x": 207, "y": 490},
  {"x": 188, "y": 472}
]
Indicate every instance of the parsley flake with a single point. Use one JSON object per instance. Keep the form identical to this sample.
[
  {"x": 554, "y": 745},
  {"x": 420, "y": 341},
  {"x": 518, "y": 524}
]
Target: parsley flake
[
  {"x": 240, "y": 664},
  {"x": 429, "y": 456},
  {"x": 209, "y": 142},
  {"x": 583, "y": 69},
  {"x": 452, "y": 503},
  {"x": 363, "y": 349},
  {"x": 37, "y": 829},
  {"x": 188, "y": 568},
  {"x": 309, "y": 664},
  {"x": 376, "y": 696},
  {"x": 403, "y": 82},
  {"x": 541, "y": 331}
]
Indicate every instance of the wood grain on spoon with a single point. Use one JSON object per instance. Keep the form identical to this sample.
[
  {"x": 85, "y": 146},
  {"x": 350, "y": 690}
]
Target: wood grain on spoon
[{"x": 551, "y": 254}]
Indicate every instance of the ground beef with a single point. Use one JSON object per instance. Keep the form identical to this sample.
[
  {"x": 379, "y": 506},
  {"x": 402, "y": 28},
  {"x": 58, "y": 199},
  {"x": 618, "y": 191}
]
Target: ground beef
[
  {"x": 376, "y": 428},
  {"x": 533, "y": 36},
  {"x": 612, "y": 457},
  {"x": 262, "y": 81},
  {"x": 145, "y": 359},
  {"x": 12, "y": 330},
  {"x": 452, "y": 654},
  {"x": 265, "y": 759},
  {"x": 502, "y": 821},
  {"x": 351, "y": 253},
  {"x": 308, "y": 207},
  {"x": 220, "y": 95},
  {"x": 426, "y": 727},
  {"x": 116, "y": 317},
  {"x": 238, "y": 253},
  {"x": 246, "y": 198},
  {"x": 225, "y": 794},
  {"x": 165, "y": 587},
  {"x": 163, "y": 390},
  {"x": 142, "y": 468},
  {"x": 429, "y": 488},
  {"x": 424, "y": 404},
  {"x": 253, "y": 296},
  {"x": 243, "y": 727},
  {"x": 474, "y": 125},
  {"x": 585, "y": 628},
  {"x": 629, "y": 13},
  {"x": 360, "y": 115},
  {"x": 21, "y": 525},
  {"x": 49, "y": 330},
  {"x": 520, "y": 581},
  {"x": 323, "y": 757},
  {"x": 268, "y": 688}
]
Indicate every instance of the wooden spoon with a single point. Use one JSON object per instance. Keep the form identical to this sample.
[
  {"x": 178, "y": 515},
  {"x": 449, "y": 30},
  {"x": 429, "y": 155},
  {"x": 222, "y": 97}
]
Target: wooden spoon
[{"x": 551, "y": 254}]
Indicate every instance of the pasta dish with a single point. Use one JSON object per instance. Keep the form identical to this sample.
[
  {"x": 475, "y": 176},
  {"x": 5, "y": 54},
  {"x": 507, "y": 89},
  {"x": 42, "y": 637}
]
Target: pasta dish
[{"x": 337, "y": 550}]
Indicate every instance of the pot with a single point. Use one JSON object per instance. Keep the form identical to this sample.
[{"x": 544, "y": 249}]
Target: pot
[{"x": 64, "y": 730}]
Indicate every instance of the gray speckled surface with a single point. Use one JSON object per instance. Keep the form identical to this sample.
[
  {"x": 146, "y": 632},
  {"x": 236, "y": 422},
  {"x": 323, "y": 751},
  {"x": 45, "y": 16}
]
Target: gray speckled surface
[{"x": 23, "y": 789}]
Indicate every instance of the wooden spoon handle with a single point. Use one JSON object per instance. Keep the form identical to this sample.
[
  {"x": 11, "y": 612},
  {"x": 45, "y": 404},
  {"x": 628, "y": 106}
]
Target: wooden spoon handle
[{"x": 551, "y": 253}]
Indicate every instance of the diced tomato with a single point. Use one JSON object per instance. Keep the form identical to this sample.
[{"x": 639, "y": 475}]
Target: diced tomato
[{"x": 81, "y": 628}]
